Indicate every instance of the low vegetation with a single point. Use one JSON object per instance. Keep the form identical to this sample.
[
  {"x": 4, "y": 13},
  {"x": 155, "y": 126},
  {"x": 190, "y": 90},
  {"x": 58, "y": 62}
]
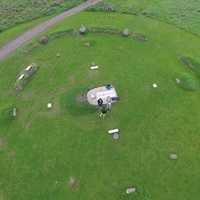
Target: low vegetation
[{"x": 15, "y": 12}]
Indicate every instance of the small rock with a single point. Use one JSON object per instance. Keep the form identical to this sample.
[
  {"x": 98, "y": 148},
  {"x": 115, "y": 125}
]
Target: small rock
[
  {"x": 177, "y": 80},
  {"x": 126, "y": 32},
  {"x": 87, "y": 44},
  {"x": 72, "y": 181},
  {"x": 57, "y": 55},
  {"x": 93, "y": 64},
  {"x": 130, "y": 190},
  {"x": 82, "y": 30},
  {"x": 121, "y": 48},
  {"x": 116, "y": 136},
  {"x": 174, "y": 156}
]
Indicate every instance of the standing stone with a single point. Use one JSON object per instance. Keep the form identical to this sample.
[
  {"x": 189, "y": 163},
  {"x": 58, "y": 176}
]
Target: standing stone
[
  {"x": 14, "y": 112},
  {"x": 82, "y": 30},
  {"x": 72, "y": 181},
  {"x": 174, "y": 156},
  {"x": 126, "y": 32}
]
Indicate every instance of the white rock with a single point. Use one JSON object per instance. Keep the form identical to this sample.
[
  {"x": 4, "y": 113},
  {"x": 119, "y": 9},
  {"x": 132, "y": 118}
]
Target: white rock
[
  {"x": 130, "y": 190},
  {"x": 49, "y": 105},
  {"x": 155, "y": 85}
]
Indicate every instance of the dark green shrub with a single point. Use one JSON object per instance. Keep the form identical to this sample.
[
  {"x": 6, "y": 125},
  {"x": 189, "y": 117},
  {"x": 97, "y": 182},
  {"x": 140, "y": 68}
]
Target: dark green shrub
[
  {"x": 192, "y": 63},
  {"x": 6, "y": 114},
  {"x": 187, "y": 81}
]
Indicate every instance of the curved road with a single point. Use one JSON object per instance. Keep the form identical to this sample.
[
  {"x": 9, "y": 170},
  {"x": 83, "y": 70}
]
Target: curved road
[{"x": 17, "y": 42}]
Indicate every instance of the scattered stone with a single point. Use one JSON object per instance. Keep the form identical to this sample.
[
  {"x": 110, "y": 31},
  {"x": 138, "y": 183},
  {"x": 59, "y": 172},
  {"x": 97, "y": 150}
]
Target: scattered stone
[
  {"x": 126, "y": 32},
  {"x": 93, "y": 64},
  {"x": 174, "y": 156},
  {"x": 49, "y": 105},
  {"x": 87, "y": 44},
  {"x": 14, "y": 112},
  {"x": 72, "y": 181},
  {"x": 140, "y": 37},
  {"x": 116, "y": 136},
  {"x": 177, "y": 80},
  {"x": 109, "y": 8},
  {"x": 43, "y": 40},
  {"x": 82, "y": 30},
  {"x": 58, "y": 55},
  {"x": 130, "y": 190},
  {"x": 121, "y": 48},
  {"x": 155, "y": 85}
]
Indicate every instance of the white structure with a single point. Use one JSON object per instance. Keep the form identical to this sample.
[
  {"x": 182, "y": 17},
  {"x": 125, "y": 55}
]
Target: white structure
[
  {"x": 94, "y": 67},
  {"x": 49, "y": 105},
  {"x": 28, "y": 68},
  {"x": 113, "y": 131},
  {"x": 155, "y": 85},
  {"x": 21, "y": 77}
]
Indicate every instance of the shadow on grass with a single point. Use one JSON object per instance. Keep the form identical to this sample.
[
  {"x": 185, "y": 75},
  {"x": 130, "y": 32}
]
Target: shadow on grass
[{"x": 74, "y": 101}]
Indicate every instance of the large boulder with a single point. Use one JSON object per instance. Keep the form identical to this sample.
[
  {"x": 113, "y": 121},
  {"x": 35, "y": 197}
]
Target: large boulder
[
  {"x": 82, "y": 30},
  {"x": 125, "y": 32},
  {"x": 43, "y": 40}
]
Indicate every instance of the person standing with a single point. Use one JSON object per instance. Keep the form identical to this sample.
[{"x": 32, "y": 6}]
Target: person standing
[
  {"x": 103, "y": 112},
  {"x": 99, "y": 102},
  {"x": 109, "y": 101}
]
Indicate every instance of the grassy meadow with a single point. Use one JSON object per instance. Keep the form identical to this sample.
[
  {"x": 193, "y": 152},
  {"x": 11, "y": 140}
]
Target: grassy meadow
[
  {"x": 14, "y": 12},
  {"x": 42, "y": 148}
]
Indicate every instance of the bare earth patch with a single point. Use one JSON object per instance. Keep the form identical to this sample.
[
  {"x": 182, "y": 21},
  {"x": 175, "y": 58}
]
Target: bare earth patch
[
  {"x": 93, "y": 73},
  {"x": 71, "y": 79},
  {"x": 11, "y": 153},
  {"x": 80, "y": 98},
  {"x": 1, "y": 143}
]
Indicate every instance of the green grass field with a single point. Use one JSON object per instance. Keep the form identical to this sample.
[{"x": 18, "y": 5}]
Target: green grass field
[{"x": 42, "y": 148}]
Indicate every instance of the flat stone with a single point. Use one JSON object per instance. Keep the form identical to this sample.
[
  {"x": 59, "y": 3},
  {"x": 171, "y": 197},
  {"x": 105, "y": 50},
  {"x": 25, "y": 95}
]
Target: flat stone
[
  {"x": 174, "y": 156},
  {"x": 49, "y": 105},
  {"x": 155, "y": 85},
  {"x": 14, "y": 112},
  {"x": 116, "y": 136},
  {"x": 72, "y": 181},
  {"x": 130, "y": 190},
  {"x": 177, "y": 80}
]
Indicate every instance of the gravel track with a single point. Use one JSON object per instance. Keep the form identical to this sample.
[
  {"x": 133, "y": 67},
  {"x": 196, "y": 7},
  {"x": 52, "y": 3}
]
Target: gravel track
[{"x": 17, "y": 42}]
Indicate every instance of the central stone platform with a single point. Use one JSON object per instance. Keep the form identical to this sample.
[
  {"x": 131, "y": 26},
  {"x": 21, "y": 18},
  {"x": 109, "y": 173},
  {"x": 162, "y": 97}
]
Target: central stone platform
[{"x": 101, "y": 92}]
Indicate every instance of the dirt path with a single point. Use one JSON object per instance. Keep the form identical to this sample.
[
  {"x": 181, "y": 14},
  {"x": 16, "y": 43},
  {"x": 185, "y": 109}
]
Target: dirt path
[{"x": 17, "y": 42}]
